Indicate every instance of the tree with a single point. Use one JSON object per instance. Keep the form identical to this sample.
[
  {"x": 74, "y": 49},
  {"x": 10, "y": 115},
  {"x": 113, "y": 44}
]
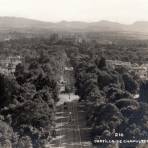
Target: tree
[
  {"x": 114, "y": 93},
  {"x": 101, "y": 63},
  {"x": 144, "y": 92},
  {"x": 130, "y": 84},
  {"x": 7, "y": 134},
  {"x": 106, "y": 119},
  {"x": 105, "y": 78}
]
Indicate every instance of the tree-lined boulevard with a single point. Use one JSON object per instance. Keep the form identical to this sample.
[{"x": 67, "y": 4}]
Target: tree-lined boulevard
[{"x": 74, "y": 133}]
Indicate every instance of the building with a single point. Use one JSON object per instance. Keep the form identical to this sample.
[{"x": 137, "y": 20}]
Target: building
[
  {"x": 67, "y": 79},
  {"x": 141, "y": 71},
  {"x": 68, "y": 68},
  {"x": 62, "y": 84},
  {"x": 8, "y": 65},
  {"x": 117, "y": 64},
  {"x": 4, "y": 71}
]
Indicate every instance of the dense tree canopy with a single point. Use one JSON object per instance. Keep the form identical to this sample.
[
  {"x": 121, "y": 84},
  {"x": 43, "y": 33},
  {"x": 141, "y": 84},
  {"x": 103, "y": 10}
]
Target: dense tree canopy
[{"x": 27, "y": 104}]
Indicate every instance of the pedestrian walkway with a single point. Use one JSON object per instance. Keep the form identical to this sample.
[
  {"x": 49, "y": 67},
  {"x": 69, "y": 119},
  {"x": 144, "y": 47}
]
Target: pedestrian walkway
[{"x": 71, "y": 133}]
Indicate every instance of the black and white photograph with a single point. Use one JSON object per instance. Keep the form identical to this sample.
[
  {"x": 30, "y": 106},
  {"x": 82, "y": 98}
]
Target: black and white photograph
[{"x": 73, "y": 73}]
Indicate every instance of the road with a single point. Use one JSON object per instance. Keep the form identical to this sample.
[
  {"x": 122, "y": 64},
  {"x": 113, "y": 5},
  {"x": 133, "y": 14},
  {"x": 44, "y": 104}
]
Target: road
[{"x": 74, "y": 133}]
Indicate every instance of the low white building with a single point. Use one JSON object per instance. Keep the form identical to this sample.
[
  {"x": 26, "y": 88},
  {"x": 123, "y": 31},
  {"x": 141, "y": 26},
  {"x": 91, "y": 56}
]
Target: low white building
[
  {"x": 141, "y": 71},
  {"x": 68, "y": 68},
  {"x": 116, "y": 64},
  {"x": 8, "y": 65}
]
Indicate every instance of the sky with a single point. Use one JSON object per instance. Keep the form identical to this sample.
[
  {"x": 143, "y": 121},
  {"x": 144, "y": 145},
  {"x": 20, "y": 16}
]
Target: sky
[{"x": 123, "y": 11}]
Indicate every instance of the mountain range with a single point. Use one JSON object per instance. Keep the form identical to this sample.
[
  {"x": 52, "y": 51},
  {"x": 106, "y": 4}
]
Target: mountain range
[{"x": 15, "y": 24}]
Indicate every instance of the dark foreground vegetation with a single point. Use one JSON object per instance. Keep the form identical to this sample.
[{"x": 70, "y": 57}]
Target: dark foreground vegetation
[
  {"x": 28, "y": 106},
  {"x": 27, "y": 100},
  {"x": 113, "y": 111}
]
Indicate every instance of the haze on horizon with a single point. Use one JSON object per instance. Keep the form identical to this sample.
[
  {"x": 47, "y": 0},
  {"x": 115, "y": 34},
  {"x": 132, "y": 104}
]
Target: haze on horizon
[{"x": 123, "y": 11}]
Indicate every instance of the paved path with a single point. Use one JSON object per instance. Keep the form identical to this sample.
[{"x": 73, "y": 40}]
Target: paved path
[{"x": 71, "y": 134}]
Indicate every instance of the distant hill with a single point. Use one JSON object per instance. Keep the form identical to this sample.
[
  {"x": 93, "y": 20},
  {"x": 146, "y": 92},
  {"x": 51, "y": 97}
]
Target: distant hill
[
  {"x": 139, "y": 26},
  {"x": 29, "y": 25},
  {"x": 15, "y": 23}
]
